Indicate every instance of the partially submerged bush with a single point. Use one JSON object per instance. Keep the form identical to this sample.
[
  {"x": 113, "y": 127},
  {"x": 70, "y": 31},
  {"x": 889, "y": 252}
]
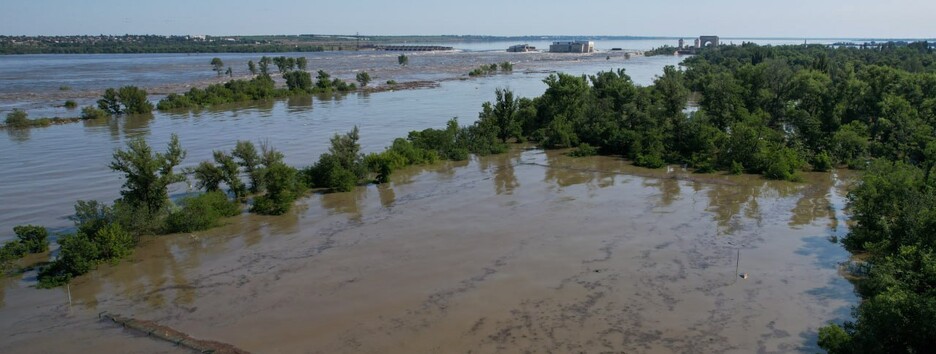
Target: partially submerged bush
[{"x": 201, "y": 212}]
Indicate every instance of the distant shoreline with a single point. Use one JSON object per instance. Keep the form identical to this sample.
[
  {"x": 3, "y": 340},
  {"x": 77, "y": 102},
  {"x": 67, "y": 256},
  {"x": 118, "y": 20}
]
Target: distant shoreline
[{"x": 194, "y": 44}]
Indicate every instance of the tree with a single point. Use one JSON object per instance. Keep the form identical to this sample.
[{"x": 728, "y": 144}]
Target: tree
[
  {"x": 265, "y": 65},
  {"x": 323, "y": 81},
  {"x": 134, "y": 100},
  {"x": 403, "y": 60},
  {"x": 217, "y": 65},
  {"x": 246, "y": 152},
  {"x": 17, "y": 119},
  {"x": 302, "y": 63},
  {"x": 148, "y": 175},
  {"x": 251, "y": 67},
  {"x": 34, "y": 238},
  {"x": 298, "y": 80},
  {"x": 127, "y": 100},
  {"x": 363, "y": 78},
  {"x": 109, "y": 102},
  {"x": 229, "y": 72}
]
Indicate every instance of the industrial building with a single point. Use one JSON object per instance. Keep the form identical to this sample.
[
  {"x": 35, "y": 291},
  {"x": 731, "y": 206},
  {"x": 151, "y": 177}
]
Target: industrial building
[
  {"x": 521, "y": 48},
  {"x": 572, "y": 47}
]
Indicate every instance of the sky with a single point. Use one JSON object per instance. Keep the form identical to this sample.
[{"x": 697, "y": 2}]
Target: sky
[{"x": 676, "y": 18}]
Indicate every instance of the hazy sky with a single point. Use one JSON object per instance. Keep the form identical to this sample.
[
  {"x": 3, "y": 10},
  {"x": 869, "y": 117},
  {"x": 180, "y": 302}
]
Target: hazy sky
[{"x": 727, "y": 18}]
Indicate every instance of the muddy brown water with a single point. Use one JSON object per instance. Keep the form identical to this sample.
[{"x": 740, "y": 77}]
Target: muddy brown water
[{"x": 528, "y": 251}]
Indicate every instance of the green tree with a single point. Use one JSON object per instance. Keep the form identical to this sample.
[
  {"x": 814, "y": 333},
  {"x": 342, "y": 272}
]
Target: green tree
[
  {"x": 110, "y": 102},
  {"x": 217, "y": 65},
  {"x": 363, "y": 78},
  {"x": 403, "y": 60},
  {"x": 17, "y": 119},
  {"x": 147, "y": 174},
  {"x": 298, "y": 81},
  {"x": 251, "y": 67},
  {"x": 249, "y": 159},
  {"x": 302, "y": 63},
  {"x": 323, "y": 81},
  {"x": 265, "y": 65},
  {"x": 126, "y": 100},
  {"x": 34, "y": 238},
  {"x": 134, "y": 100}
]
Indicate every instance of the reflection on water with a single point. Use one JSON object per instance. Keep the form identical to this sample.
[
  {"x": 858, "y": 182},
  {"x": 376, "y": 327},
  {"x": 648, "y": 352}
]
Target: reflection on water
[
  {"x": 387, "y": 196},
  {"x": 18, "y": 135},
  {"x": 299, "y": 103},
  {"x": 345, "y": 203}
]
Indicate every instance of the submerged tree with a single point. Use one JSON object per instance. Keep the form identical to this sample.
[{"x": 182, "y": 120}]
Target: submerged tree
[
  {"x": 251, "y": 67},
  {"x": 217, "y": 65},
  {"x": 363, "y": 78},
  {"x": 403, "y": 60},
  {"x": 148, "y": 174}
]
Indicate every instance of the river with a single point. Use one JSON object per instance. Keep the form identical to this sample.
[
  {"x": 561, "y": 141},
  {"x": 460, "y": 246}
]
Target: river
[{"x": 525, "y": 251}]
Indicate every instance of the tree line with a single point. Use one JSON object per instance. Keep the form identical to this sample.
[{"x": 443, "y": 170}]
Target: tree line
[{"x": 261, "y": 86}]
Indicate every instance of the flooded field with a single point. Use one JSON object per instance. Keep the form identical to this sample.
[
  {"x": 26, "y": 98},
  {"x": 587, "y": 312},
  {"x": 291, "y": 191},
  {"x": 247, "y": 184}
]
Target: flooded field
[
  {"x": 528, "y": 251},
  {"x": 521, "y": 252}
]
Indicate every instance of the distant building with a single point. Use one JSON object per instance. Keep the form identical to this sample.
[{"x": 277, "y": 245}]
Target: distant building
[
  {"x": 698, "y": 43},
  {"x": 682, "y": 43},
  {"x": 520, "y": 48},
  {"x": 572, "y": 47}
]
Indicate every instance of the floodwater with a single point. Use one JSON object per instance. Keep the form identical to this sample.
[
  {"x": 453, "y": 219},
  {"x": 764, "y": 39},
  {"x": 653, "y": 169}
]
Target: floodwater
[{"x": 528, "y": 251}]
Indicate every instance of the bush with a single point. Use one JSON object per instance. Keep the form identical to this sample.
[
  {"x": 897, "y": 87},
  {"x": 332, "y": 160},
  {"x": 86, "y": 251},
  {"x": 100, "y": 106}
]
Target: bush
[
  {"x": 71, "y": 104},
  {"x": 363, "y": 78},
  {"x": 91, "y": 112},
  {"x": 9, "y": 253},
  {"x": 282, "y": 188},
  {"x": 651, "y": 160},
  {"x": 391, "y": 82},
  {"x": 329, "y": 173},
  {"x": 737, "y": 168},
  {"x": 201, "y": 212},
  {"x": 80, "y": 252},
  {"x": 34, "y": 238},
  {"x": 298, "y": 81},
  {"x": 584, "y": 150},
  {"x": 17, "y": 119},
  {"x": 782, "y": 164},
  {"x": 822, "y": 162}
]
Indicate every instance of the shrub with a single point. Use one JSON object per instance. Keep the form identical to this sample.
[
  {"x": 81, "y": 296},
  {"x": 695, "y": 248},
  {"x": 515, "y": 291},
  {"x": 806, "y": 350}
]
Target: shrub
[
  {"x": 391, "y": 82},
  {"x": 782, "y": 164},
  {"x": 201, "y": 212},
  {"x": 822, "y": 162},
  {"x": 34, "y": 238},
  {"x": 282, "y": 188},
  {"x": 91, "y": 112},
  {"x": 329, "y": 173},
  {"x": 71, "y": 104},
  {"x": 651, "y": 160},
  {"x": 363, "y": 78},
  {"x": 80, "y": 252},
  {"x": 298, "y": 81},
  {"x": 737, "y": 168},
  {"x": 584, "y": 150},
  {"x": 9, "y": 253},
  {"x": 17, "y": 119}
]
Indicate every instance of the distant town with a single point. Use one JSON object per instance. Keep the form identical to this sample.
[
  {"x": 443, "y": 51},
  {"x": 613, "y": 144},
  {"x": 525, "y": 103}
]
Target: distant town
[{"x": 199, "y": 43}]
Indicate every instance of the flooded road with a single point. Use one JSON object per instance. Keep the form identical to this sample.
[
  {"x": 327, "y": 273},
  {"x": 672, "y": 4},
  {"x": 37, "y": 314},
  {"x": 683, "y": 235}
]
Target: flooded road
[{"x": 521, "y": 252}]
